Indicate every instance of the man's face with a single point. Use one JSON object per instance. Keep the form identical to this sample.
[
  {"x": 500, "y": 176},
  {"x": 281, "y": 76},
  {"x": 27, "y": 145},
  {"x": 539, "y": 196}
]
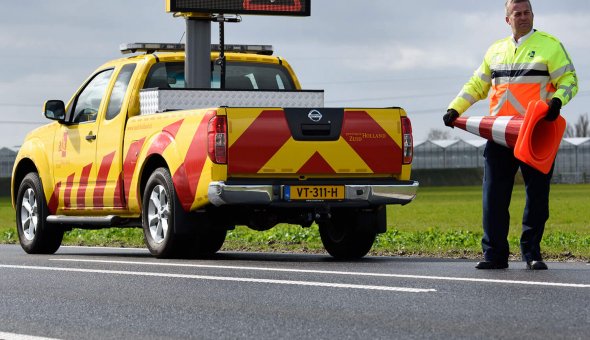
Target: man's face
[{"x": 520, "y": 18}]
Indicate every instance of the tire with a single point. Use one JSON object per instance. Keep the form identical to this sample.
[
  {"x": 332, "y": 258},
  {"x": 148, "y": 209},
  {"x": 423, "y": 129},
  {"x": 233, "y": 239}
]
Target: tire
[
  {"x": 345, "y": 237},
  {"x": 34, "y": 234},
  {"x": 161, "y": 208},
  {"x": 209, "y": 242},
  {"x": 163, "y": 218},
  {"x": 201, "y": 244}
]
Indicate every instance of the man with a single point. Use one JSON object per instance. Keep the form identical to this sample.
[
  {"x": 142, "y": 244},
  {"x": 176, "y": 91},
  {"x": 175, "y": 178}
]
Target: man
[{"x": 528, "y": 66}]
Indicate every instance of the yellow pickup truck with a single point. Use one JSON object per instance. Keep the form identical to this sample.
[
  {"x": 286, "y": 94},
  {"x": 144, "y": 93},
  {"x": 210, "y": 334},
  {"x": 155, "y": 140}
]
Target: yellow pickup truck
[{"x": 135, "y": 148}]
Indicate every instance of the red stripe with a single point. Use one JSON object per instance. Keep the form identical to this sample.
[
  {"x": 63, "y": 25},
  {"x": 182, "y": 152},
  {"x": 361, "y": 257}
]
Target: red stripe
[
  {"x": 173, "y": 128},
  {"x": 118, "y": 195},
  {"x": 68, "y": 191},
  {"x": 54, "y": 200},
  {"x": 181, "y": 185},
  {"x": 186, "y": 178},
  {"x": 485, "y": 127},
  {"x": 371, "y": 142},
  {"x": 81, "y": 196},
  {"x": 512, "y": 129},
  {"x": 256, "y": 146},
  {"x": 101, "y": 180},
  {"x": 316, "y": 165},
  {"x": 461, "y": 123},
  {"x": 130, "y": 164},
  {"x": 164, "y": 139}
]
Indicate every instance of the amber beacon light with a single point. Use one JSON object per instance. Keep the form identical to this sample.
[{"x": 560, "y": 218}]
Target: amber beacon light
[
  {"x": 534, "y": 139},
  {"x": 261, "y": 7}
]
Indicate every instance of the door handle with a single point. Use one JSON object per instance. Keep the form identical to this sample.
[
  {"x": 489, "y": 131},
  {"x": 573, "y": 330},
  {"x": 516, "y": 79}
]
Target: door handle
[{"x": 90, "y": 137}]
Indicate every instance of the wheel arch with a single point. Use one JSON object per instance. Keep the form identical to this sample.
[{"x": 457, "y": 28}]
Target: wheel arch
[
  {"x": 32, "y": 158},
  {"x": 152, "y": 163}
]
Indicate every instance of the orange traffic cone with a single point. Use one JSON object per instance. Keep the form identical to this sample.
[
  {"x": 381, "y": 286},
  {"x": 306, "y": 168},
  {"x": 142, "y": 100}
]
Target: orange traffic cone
[{"x": 535, "y": 140}]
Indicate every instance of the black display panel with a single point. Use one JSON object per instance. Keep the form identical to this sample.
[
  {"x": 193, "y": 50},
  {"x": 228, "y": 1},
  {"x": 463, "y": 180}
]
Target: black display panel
[{"x": 264, "y": 7}]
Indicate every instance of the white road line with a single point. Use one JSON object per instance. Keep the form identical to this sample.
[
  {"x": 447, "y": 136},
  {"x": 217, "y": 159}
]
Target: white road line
[
  {"x": 224, "y": 278},
  {"x": 441, "y": 278},
  {"x": 15, "y": 336}
]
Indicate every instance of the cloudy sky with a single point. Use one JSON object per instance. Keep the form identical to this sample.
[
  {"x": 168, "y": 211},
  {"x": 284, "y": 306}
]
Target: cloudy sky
[{"x": 363, "y": 53}]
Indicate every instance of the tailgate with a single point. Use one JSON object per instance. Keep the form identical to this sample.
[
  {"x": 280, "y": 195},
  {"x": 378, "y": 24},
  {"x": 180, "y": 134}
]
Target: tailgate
[{"x": 293, "y": 142}]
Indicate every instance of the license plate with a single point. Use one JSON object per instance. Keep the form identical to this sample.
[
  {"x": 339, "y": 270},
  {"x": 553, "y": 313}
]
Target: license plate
[{"x": 314, "y": 192}]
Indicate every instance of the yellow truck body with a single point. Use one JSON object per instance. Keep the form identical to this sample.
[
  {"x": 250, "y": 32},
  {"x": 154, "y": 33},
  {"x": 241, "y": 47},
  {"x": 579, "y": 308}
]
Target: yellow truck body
[{"x": 193, "y": 173}]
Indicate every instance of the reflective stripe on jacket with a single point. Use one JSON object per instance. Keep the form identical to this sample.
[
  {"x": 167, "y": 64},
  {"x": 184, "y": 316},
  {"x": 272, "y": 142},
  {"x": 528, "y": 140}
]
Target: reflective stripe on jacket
[{"x": 539, "y": 68}]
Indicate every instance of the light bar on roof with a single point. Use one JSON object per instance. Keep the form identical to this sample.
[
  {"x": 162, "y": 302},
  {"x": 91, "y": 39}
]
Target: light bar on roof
[
  {"x": 165, "y": 47},
  {"x": 264, "y": 7},
  {"x": 150, "y": 47},
  {"x": 236, "y": 48}
]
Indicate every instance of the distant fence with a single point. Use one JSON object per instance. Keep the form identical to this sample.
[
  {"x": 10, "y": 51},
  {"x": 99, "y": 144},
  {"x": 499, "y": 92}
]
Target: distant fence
[{"x": 572, "y": 164}]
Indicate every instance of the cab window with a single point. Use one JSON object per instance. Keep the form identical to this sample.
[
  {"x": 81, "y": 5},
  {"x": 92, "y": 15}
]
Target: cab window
[
  {"x": 165, "y": 76},
  {"x": 119, "y": 91},
  {"x": 251, "y": 76},
  {"x": 239, "y": 75},
  {"x": 88, "y": 101}
]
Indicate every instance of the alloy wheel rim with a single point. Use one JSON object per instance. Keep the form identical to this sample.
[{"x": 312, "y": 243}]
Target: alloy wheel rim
[
  {"x": 158, "y": 214},
  {"x": 29, "y": 214}
]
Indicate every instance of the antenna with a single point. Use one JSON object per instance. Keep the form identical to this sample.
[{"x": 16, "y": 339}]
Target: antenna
[{"x": 222, "y": 19}]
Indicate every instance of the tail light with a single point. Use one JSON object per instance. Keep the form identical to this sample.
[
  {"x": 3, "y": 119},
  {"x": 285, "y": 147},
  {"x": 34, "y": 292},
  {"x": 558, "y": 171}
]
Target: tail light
[
  {"x": 217, "y": 139},
  {"x": 408, "y": 142}
]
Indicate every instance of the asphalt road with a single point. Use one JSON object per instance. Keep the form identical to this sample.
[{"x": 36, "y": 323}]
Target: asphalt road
[{"x": 103, "y": 293}]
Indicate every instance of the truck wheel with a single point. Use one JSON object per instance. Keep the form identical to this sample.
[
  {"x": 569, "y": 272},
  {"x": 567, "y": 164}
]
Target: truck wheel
[
  {"x": 345, "y": 238},
  {"x": 161, "y": 209},
  {"x": 34, "y": 234},
  {"x": 202, "y": 243},
  {"x": 210, "y": 241}
]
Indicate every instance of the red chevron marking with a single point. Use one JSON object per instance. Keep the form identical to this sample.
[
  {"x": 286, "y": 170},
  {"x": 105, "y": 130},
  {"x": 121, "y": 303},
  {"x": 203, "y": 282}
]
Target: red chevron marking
[
  {"x": 371, "y": 142},
  {"x": 101, "y": 180},
  {"x": 68, "y": 191},
  {"x": 81, "y": 196},
  {"x": 316, "y": 165},
  {"x": 256, "y": 146},
  {"x": 186, "y": 178},
  {"x": 54, "y": 200},
  {"x": 129, "y": 165}
]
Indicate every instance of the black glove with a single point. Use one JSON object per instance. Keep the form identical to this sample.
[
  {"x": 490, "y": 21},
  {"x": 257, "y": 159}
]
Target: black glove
[
  {"x": 450, "y": 117},
  {"x": 553, "y": 112}
]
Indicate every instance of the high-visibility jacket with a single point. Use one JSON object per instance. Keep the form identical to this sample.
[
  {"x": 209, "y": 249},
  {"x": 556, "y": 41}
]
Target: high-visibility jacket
[{"x": 540, "y": 68}]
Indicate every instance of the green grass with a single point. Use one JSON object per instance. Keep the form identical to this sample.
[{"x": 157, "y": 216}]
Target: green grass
[{"x": 442, "y": 222}]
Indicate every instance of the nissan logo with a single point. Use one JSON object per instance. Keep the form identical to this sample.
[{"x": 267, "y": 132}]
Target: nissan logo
[{"x": 314, "y": 115}]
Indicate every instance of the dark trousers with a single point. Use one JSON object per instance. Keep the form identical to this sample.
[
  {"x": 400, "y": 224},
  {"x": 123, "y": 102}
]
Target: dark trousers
[{"x": 499, "y": 170}]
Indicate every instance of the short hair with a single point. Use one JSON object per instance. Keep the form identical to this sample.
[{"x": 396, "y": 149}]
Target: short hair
[{"x": 509, "y": 2}]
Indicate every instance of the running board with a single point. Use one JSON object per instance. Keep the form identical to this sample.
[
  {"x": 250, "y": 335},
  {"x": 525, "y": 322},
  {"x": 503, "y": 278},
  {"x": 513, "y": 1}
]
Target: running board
[{"x": 93, "y": 222}]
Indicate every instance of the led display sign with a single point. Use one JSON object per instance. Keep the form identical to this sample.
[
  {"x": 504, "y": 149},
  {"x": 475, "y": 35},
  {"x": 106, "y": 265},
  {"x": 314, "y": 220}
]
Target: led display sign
[{"x": 264, "y": 7}]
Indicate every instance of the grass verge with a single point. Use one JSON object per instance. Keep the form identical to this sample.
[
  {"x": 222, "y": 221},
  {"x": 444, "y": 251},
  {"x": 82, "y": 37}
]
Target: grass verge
[{"x": 441, "y": 222}]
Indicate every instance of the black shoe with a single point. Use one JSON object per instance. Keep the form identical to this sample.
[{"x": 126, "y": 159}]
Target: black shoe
[
  {"x": 491, "y": 265},
  {"x": 536, "y": 265}
]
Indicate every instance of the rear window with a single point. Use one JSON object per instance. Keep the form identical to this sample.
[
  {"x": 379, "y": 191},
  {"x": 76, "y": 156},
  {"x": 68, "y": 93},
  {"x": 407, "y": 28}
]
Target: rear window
[{"x": 240, "y": 76}]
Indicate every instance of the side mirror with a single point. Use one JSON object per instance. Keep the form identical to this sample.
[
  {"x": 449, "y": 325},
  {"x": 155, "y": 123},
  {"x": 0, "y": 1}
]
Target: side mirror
[{"x": 55, "y": 110}]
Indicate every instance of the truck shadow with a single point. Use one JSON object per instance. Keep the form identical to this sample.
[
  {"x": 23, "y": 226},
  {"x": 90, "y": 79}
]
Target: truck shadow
[{"x": 222, "y": 256}]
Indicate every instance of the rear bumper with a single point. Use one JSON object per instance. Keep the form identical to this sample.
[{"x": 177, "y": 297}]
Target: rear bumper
[{"x": 221, "y": 194}]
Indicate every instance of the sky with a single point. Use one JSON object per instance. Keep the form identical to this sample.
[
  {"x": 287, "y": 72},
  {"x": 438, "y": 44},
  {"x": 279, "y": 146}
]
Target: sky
[{"x": 363, "y": 53}]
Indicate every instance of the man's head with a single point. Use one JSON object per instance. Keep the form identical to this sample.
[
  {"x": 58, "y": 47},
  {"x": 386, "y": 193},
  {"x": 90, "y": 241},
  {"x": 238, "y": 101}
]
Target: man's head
[{"x": 519, "y": 15}]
